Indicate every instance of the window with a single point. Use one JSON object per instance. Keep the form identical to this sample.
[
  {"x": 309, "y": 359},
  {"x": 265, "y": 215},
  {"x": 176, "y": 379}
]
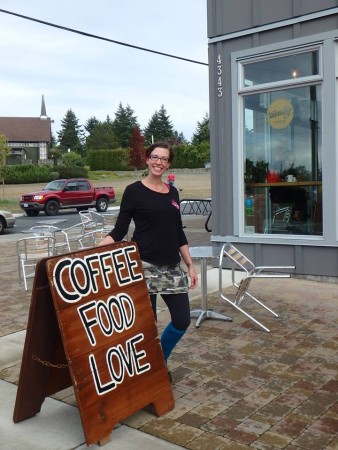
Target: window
[
  {"x": 84, "y": 185},
  {"x": 282, "y": 160},
  {"x": 71, "y": 186},
  {"x": 290, "y": 67}
]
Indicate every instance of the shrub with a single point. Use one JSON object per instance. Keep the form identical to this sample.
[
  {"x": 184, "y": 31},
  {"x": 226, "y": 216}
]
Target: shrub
[
  {"x": 71, "y": 159},
  {"x": 72, "y": 172},
  {"x": 112, "y": 159},
  {"x": 54, "y": 176},
  {"x": 190, "y": 156},
  {"x": 27, "y": 173}
]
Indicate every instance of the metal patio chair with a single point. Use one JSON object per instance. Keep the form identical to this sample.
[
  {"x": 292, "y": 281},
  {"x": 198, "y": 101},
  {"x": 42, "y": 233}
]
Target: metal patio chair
[
  {"x": 104, "y": 221},
  {"x": 87, "y": 221},
  {"x": 280, "y": 220},
  {"x": 74, "y": 233},
  {"x": 91, "y": 239},
  {"x": 29, "y": 251},
  {"x": 241, "y": 266}
]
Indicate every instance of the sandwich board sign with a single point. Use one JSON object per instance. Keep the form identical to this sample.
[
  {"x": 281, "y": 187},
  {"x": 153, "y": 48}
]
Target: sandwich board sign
[{"x": 91, "y": 325}]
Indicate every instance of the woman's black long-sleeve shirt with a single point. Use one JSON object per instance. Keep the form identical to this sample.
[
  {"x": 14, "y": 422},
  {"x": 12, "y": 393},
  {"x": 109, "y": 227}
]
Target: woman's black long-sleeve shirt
[{"x": 158, "y": 225}]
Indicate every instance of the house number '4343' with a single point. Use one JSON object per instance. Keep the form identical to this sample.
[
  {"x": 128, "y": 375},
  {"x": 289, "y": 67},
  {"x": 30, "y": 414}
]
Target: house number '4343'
[{"x": 219, "y": 76}]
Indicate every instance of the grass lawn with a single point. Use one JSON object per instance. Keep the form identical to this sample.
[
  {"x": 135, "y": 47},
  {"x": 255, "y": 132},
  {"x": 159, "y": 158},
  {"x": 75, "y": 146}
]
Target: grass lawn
[{"x": 190, "y": 184}]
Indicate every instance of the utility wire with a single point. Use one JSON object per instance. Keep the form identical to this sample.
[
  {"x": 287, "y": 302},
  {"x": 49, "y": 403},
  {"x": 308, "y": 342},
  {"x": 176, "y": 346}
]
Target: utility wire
[{"x": 72, "y": 30}]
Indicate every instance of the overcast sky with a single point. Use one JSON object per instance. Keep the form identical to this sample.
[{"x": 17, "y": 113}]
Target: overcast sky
[{"x": 91, "y": 76}]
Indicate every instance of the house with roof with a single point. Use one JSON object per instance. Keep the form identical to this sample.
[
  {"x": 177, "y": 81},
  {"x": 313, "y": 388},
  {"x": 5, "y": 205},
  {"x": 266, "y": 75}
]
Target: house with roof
[{"x": 29, "y": 138}]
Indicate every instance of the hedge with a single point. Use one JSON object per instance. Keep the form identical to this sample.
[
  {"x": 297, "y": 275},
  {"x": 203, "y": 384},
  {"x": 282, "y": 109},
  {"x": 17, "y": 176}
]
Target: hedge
[
  {"x": 112, "y": 159},
  {"x": 40, "y": 173},
  {"x": 186, "y": 157},
  {"x": 27, "y": 173}
]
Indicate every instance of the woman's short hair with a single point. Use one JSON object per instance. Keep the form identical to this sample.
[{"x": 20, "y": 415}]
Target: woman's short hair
[{"x": 150, "y": 149}]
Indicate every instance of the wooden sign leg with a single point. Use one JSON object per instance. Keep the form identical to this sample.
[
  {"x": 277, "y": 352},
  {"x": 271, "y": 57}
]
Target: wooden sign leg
[
  {"x": 105, "y": 440},
  {"x": 44, "y": 370}
]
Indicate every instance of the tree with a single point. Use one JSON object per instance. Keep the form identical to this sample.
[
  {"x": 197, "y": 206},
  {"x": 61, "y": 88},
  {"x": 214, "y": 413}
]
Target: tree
[
  {"x": 91, "y": 124},
  {"x": 159, "y": 127},
  {"x": 102, "y": 137},
  {"x": 55, "y": 154},
  {"x": 137, "y": 149},
  {"x": 202, "y": 132},
  {"x": 108, "y": 120},
  {"x": 4, "y": 152},
  {"x": 70, "y": 135},
  {"x": 53, "y": 140},
  {"x": 124, "y": 123},
  {"x": 177, "y": 139}
]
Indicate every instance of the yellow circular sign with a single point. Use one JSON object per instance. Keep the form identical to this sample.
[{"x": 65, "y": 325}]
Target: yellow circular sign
[{"x": 280, "y": 113}]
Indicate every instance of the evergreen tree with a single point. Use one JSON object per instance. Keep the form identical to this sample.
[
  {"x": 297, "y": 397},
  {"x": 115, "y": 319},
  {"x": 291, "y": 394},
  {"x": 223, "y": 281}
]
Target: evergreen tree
[
  {"x": 53, "y": 140},
  {"x": 102, "y": 137},
  {"x": 123, "y": 125},
  {"x": 137, "y": 149},
  {"x": 177, "y": 139},
  {"x": 181, "y": 138},
  {"x": 108, "y": 120},
  {"x": 91, "y": 124},
  {"x": 151, "y": 130},
  {"x": 159, "y": 127},
  {"x": 202, "y": 132},
  {"x": 70, "y": 135}
]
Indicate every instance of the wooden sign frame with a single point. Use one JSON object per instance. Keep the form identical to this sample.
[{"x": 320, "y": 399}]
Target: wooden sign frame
[{"x": 91, "y": 325}]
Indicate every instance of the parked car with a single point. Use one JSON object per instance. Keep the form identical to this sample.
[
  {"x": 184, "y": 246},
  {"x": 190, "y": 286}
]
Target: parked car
[
  {"x": 76, "y": 193},
  {"x": 7, "y": 220}
]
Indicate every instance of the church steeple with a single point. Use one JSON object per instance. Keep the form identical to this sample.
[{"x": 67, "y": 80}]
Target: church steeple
[{"x": 43, "y": 114}]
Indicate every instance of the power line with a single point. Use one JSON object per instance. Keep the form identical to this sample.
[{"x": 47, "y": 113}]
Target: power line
[{"x": 94, "y": 36}]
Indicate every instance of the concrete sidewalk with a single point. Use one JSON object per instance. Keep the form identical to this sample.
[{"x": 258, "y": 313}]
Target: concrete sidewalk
[
  {"x": 58, "y": 426},
  {"x": 236, "y": 387}
]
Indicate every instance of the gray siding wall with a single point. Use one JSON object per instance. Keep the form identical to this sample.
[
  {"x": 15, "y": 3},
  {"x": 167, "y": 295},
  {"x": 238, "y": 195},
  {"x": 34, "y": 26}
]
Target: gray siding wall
[
  {"x": 229, "y": 16},
  {"x": 234, "y": 16}
]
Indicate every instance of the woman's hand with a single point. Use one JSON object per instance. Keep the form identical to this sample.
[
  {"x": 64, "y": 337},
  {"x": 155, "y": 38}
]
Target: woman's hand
[
  {"x": 185, "y": 253},
  {"x": 107, "y": 240},
  {"x": 193, "y": 277}
]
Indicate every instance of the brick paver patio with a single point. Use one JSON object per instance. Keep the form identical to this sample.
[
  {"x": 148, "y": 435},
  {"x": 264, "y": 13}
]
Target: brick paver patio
[{"x": 236, "y": 386}]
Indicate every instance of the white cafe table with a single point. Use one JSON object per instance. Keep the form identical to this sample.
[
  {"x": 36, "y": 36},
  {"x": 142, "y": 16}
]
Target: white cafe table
[
  {"x": 204, "y": 253},
  {"x": 40, "y": 230},
  {"x": 51, "y": 221}
]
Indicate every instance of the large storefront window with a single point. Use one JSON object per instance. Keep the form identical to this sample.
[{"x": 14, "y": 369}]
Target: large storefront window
[{"x": 282, "y": 164}]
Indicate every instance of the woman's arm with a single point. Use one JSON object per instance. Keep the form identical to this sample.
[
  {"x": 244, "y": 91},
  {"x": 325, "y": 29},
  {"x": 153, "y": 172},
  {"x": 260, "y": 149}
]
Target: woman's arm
[
  {"x": 185, "y": 253},
  {"x": 123, "y": 219}
]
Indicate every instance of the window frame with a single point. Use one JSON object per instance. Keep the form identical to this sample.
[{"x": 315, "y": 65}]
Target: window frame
[
  {"x": 241, "y": 62},
  {"x": 242, "y": 91}
]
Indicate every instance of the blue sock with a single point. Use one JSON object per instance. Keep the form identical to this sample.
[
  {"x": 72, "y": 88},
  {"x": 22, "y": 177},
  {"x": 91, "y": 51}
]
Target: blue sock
[{"x": 169, "y": 339}]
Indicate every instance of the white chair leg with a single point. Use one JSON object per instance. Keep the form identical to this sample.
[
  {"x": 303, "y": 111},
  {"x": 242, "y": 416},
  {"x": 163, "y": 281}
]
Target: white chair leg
[
  {"x": 24, "y": 275},
  {"x": 262, "y": 304},
  {"x": 245, "y": 313},
  {"x": 19, "y": 270}
]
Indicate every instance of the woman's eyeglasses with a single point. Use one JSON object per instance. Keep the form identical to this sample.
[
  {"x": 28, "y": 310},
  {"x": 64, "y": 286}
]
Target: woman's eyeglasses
[{"x": 164, "y": 159}]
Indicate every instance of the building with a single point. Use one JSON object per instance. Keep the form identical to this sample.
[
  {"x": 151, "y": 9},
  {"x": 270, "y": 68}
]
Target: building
[
  {"x": 273, "y": 123},
  {"x": 29, "y": 138}
]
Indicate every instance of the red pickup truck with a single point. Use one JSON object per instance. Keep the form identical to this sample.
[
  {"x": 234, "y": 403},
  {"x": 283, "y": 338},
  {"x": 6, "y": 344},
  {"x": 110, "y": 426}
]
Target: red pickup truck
[{"x": 76, "y": 193}]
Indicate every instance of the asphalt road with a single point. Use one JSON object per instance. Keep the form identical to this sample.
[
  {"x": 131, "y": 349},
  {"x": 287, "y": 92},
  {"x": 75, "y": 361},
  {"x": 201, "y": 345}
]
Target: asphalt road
[{"x": 71, "y": 217}]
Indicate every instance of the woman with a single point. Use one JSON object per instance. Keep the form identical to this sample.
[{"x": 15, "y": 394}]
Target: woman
[{"x": 154, "y": 207}]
